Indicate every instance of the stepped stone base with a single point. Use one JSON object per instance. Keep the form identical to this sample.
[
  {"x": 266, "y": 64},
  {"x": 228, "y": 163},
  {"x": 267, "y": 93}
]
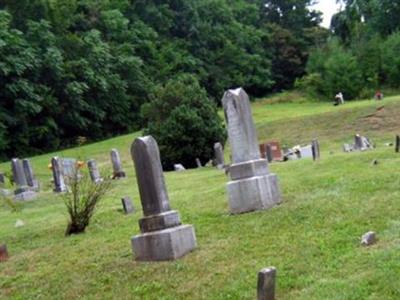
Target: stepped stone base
[
  {"x": 25, "y": 196},
  {"x": 167, "y": 244},
  {"x": 254, "y": 193}
]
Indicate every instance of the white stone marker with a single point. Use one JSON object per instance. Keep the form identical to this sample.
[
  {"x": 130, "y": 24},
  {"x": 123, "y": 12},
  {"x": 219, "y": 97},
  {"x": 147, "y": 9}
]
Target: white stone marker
[{"x": 252, "y": 186}]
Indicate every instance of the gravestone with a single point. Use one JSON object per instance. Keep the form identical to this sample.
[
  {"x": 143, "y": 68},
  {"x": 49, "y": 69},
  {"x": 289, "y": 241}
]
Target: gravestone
[
  {"x": 276, "y": 151},
  {"x": 69, "y": 168},
  {"x": 348, "y": 148},
  {"x": 368, "y": 238},
  {"x": 162, "y": 237},
  {"x": 397, "y": 149},
  {"x": 29, "y": 175},
  {"x": 179, "y": 168},
  {"x": 127, "y": 205},
  {"x": 219, "y": 155},
  {"x": 23, "y": 192},
  {"x": 3, "y": 253},
  {"x": 306, "y": 151},
  {"x": 263, "y": 150},
  {"x": 315, "y": 149},
  {"x": 252, "y": 186},
  {"x": 58, "y": 176},
  {"x": 269, "y": 153},
  {"x": 361, "y": 143},
  {"x": 266, "y": 284},
  {"x": 198, "y": 163},
  {"x": 117, "y": 166},
  {"x": 94, "y": 171}
]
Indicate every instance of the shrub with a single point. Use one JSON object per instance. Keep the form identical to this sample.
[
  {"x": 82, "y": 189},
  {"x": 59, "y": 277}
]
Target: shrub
[
  {"x": 81, "y": 200},
  {"x": 184, "y": 121},
  {"x": 391, "y": 59}
]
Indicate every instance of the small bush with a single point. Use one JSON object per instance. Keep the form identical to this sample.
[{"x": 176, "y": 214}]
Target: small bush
[
  {"x": 81, "y": 200},
  {"x": 184, "y": 121}
]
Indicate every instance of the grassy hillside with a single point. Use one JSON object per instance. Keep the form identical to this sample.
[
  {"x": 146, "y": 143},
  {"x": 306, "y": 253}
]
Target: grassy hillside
[{"x": 312, "y": 237}]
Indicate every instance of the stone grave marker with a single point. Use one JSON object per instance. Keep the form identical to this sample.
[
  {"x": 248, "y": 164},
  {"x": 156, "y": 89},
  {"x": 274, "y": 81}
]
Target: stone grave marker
[
  {"x": 58, "y": 176},
  {"x": 127, "y": 205},
  {"x": 368, "y": 239},
  {"x": 315, "y": 149},
  {"x": 219, "y": 155},
  {"x": 252, "y": 186},
  {"x": 30, "y": 176},
  {"x": 397, "y": 149},
  {"x": 162, "y": 237},
  {"x": 266, "y": 284},
  {"x": 198, "y": 163},
  {"x": 117, "y": 166},
  {"x": 94, "y": 171},
  {"x": 23, "y": 192},
  {"x": 179, "y": 168},
  {"x": 69, "y": 166}
]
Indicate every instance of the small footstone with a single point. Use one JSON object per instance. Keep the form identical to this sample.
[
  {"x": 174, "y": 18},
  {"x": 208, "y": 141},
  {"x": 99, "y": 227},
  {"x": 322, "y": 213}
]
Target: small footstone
[
  {"x": 127, "y": 205},
  {"x": 19, "y": 224},
  {"x": 179, "y": 168},
  {"x": 266, "y": 284},
  {"x": 3, "y": 253},
  {"x": 368, "y": 239}
]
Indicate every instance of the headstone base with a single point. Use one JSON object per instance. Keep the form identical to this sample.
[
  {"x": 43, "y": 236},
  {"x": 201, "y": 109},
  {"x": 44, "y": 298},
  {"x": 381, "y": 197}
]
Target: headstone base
[
  {"x": 254, "y": 193},
  {"x": 60, "y": 190},
  {"x": 119, "y": 175},
  {"x": 167, "y": 244},
  {"x": 25, "y": 196}
]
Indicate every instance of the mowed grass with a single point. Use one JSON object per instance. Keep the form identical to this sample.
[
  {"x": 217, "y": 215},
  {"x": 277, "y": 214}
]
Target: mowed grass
[{"x": 313, "y": 237}]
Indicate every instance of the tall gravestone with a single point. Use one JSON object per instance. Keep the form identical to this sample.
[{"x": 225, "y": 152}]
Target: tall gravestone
[
  {"x": 252, "y": 186},
  {"x": 29, "y": 175},
  {"x": 219, "y": 155},
  {"x": 117, "y": 166},
  {"x": 162, "y": 237},
  {"x": 23, "y": 191},
  {"x": 397, "y": 149},
  {"x": 94, "y": 171},
  {"x": 58, "y": 176}
]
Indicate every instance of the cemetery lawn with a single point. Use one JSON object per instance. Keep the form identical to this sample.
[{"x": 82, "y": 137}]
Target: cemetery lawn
[{"x": 312, "y": 238}]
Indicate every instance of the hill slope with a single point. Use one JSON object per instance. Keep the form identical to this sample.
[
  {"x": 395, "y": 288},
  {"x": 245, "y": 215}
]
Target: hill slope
[{"x": 312, "y": 238}]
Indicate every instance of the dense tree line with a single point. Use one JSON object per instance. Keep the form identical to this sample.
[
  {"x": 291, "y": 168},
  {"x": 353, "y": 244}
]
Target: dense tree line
[
  {"x": 361, "y": 55},
  {"x": 72, "y": 68}
]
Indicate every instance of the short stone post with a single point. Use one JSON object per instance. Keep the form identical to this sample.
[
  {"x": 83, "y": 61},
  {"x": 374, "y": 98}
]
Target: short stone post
[
  {"x": 117, "y": 166},
  {"x": 266, "y": 284},
  {"x": 58, "y": 176},
  {"x": 3, "y": 253},
  {"x": 94, "y": 171},
  {"x": 127, "y": 205},
  {"x": 219, "y": 155},
  {"x": 163, "y": 237},
  {"x": 397, "y": 149},
  {"x": 252, "y": 186},
  {"x": 29, "y": 175},
  {"x": 315, "y": 149},
  {"x": 268, "y": 153}
]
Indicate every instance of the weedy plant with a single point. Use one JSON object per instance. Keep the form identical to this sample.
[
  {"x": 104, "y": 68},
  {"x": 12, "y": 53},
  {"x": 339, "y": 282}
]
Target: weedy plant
[{"x": 81, "y": 200}]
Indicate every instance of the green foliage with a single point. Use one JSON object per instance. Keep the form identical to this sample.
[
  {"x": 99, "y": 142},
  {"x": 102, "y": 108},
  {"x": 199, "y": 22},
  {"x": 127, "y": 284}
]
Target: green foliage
[
  {"x": 391, "y": 59},
  {"x": 184, "y": 122}
]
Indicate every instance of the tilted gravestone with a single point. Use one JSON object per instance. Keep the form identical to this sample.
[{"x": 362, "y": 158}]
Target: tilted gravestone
[
  {"x": 58, "y": 176},
  {"x": 266, "y": 284},
  {"x": 198, "y": 163},
  {"x": 117, "y": 166},
  {"x": 127, "y": 205},
  {"x": 94, "y": 171},
  {"x": 315, "y": 149},
  {"x": 252, "y": 186},
  {"x": 29, "y": 175},
  {"x": 163, "y": 236},
  {"x": 219, "y": 155}
]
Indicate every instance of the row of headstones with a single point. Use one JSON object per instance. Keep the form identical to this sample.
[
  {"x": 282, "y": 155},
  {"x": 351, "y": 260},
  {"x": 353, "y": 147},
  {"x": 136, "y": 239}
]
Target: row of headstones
[
  {"x": 272, "y": 151},
  {"x": 67, "y": 168}
]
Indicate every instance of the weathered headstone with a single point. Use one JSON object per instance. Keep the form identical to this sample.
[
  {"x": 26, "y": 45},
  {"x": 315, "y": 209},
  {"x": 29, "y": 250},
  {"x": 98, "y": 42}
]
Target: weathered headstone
[
  {"x": 127, "y": 205},
  {"x": 198, "y": 163},
  {"x": 266, "y": 284},
  {"x": 252, "y": 186},
  {"x": 3, "y": 253},
  {"x": 23, "y": 192},
  {"x": 58, "y": 176},
  {"x": 179, "y": 168},
  {"x": 219, "y": 155},
  {"x": 315, "y": 149},
  {"x": 117, "y": 166},
  {"x": 348, "y": 148},
  {"x": 368, "y": 239},
  {"x": 276, "y": 151},
  {"x": 69, "y": 168},
  {"x": 397, "y": 149},
  {"x": 94, "y": 171},
  {"x": 163, "y": 236},
  {"x": 29, "y": 175},
  {"x": 269, "y": 153}
]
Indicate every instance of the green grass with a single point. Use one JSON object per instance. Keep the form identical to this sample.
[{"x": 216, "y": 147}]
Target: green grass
[{"x": 312, "y": 237}]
